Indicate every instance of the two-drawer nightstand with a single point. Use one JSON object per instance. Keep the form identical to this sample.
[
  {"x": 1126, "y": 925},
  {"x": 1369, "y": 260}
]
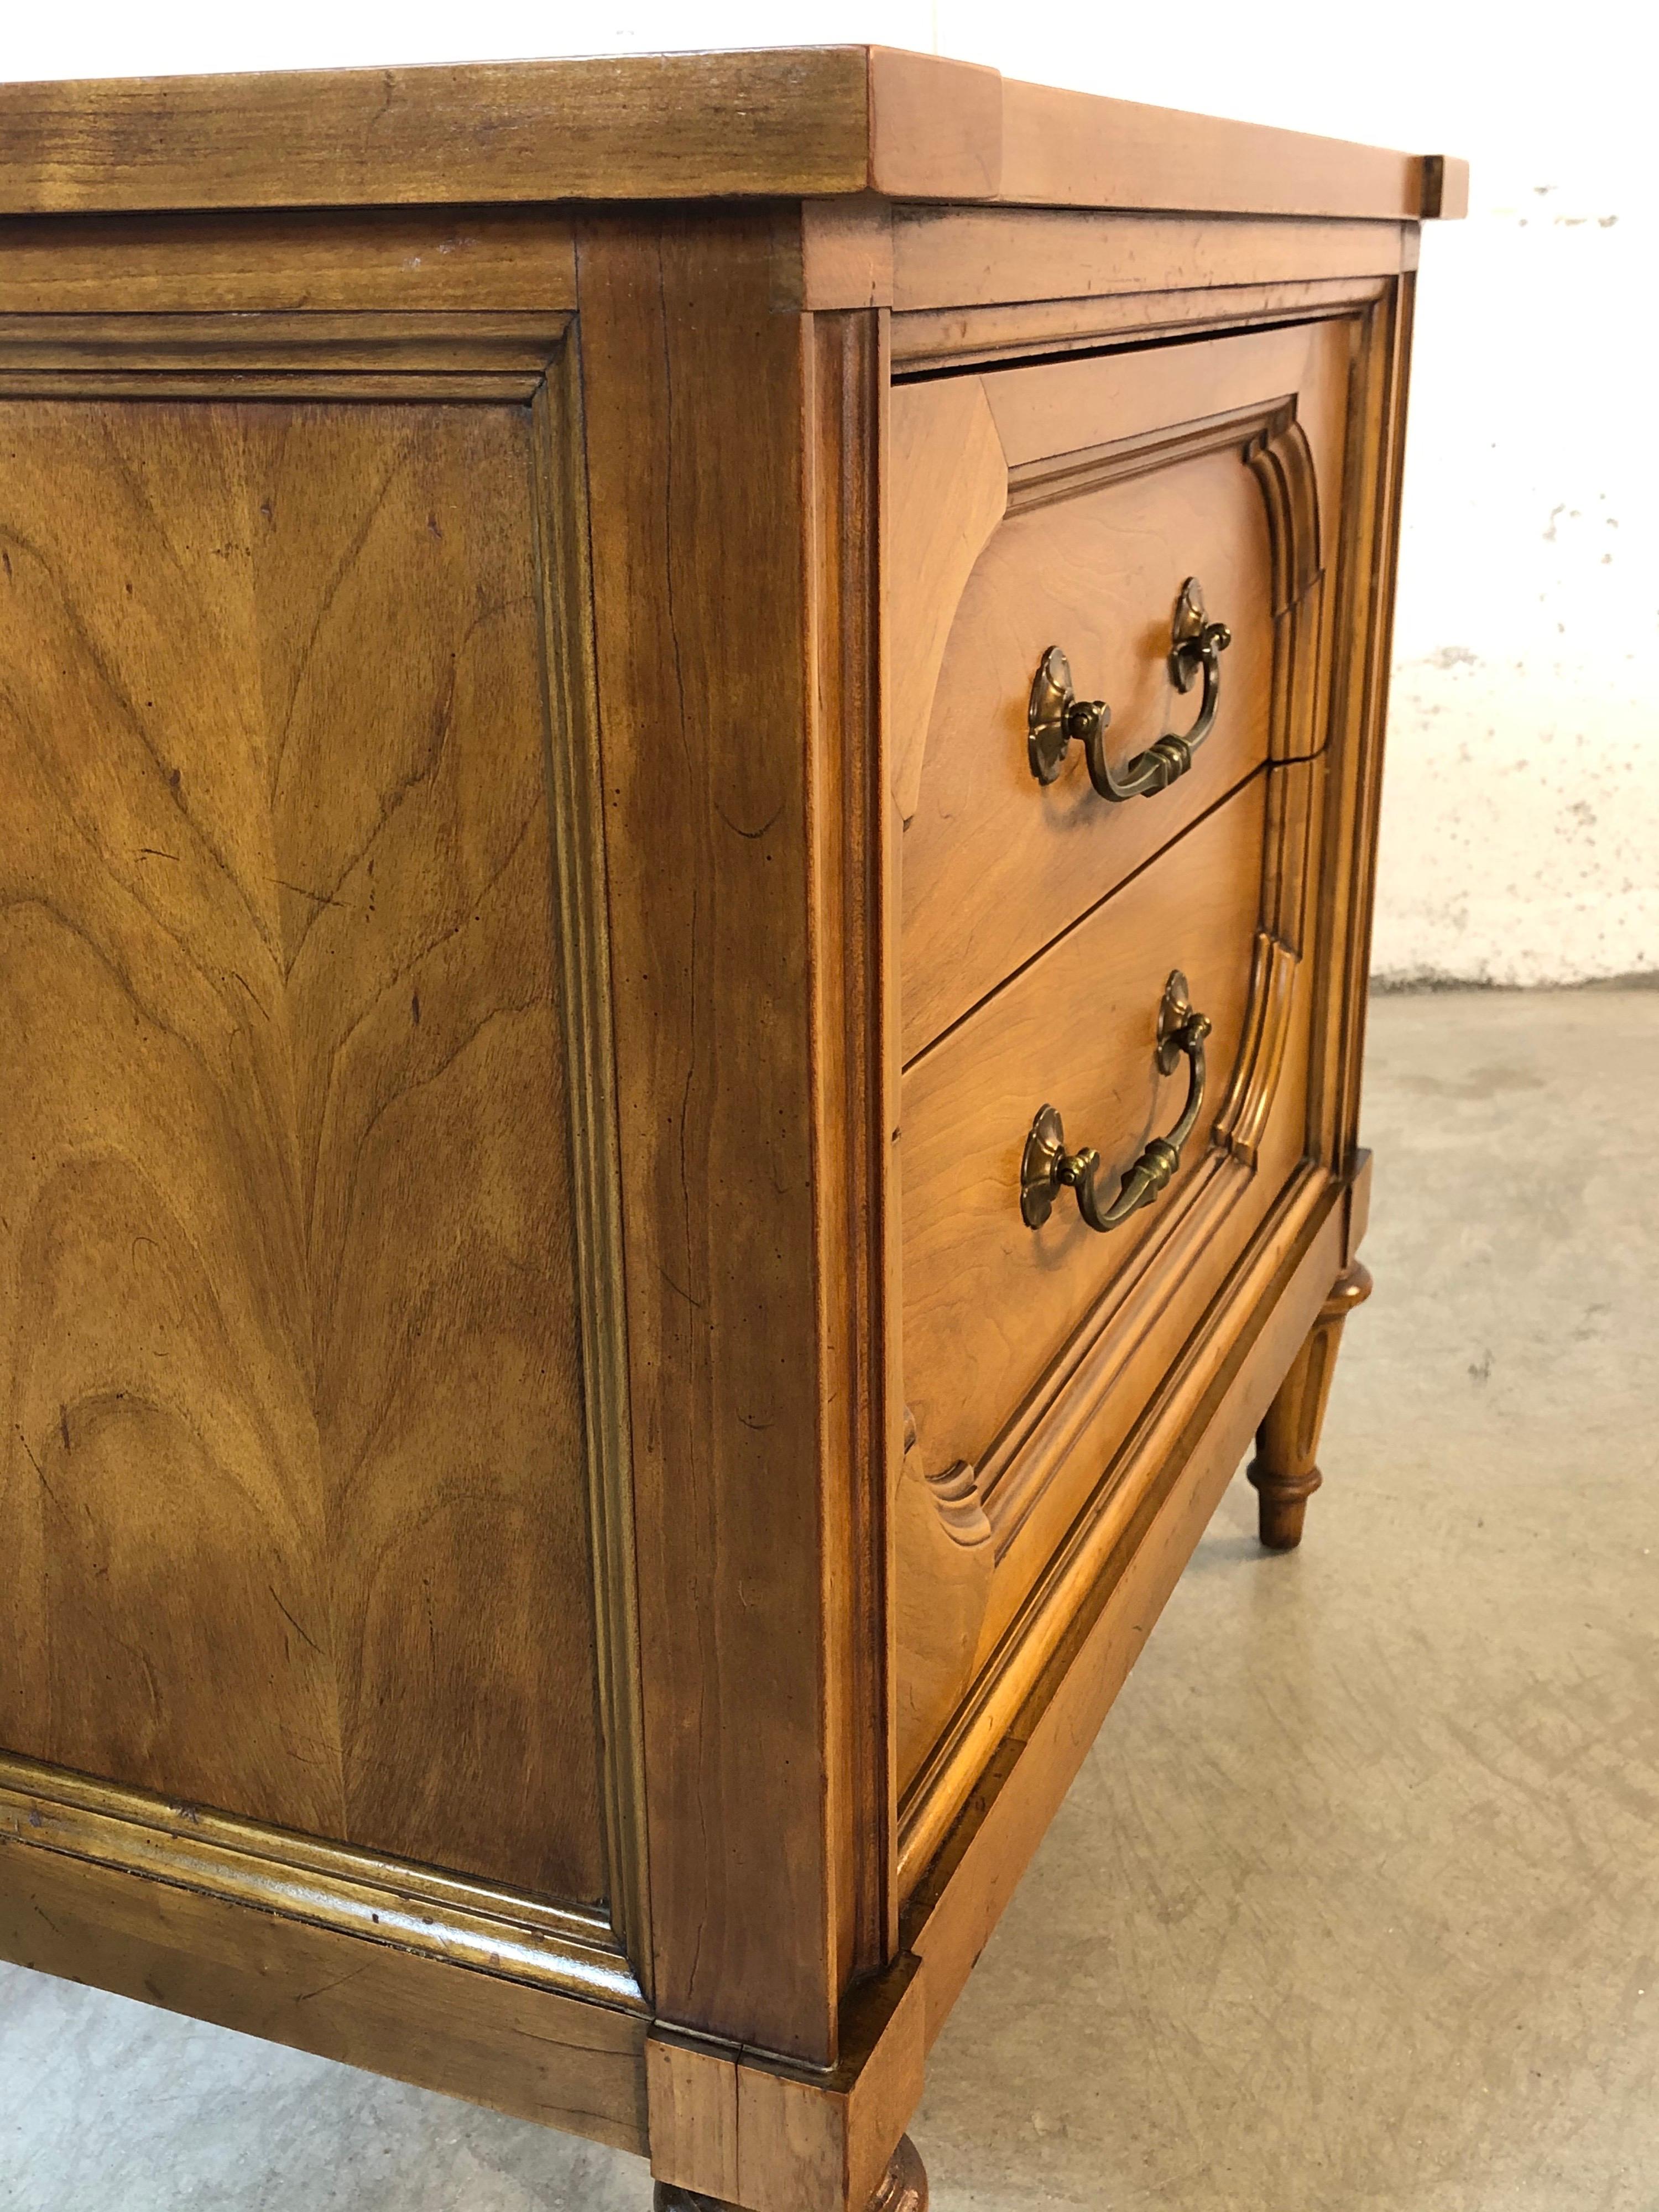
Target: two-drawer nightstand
[{"x": 691, "y": 752}]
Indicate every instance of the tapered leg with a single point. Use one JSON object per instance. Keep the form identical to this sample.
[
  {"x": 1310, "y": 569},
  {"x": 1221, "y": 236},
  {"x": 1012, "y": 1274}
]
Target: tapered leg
[
  {"x": 1284, "y": 1470},
  {"x": 903, "y": 2189}
]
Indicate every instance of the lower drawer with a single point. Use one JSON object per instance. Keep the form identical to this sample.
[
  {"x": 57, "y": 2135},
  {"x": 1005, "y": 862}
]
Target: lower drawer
[{"x": 997, "y": 1314}]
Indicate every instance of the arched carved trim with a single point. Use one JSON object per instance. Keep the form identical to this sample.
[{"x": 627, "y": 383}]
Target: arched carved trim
[
  {"x": 1243, "y": 1117},
  {"x": 960, "y": 1507},
  {"x": 946, "y": 1549},
  {"x": 1282, "y": 462},
  {"x": 955, "y": 1492}
]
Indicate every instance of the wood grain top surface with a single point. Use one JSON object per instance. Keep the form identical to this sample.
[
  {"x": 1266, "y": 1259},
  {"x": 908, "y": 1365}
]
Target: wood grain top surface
[{"x": 802, "y": 122}]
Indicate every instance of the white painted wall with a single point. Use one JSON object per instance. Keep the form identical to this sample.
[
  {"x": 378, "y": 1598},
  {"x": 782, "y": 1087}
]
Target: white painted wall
[{"x": 1520, "y": 835}]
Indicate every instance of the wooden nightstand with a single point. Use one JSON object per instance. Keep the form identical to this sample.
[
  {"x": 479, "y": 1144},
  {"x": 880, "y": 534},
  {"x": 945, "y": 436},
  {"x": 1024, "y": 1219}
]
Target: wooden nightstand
[{"x": 690, "y": 749}]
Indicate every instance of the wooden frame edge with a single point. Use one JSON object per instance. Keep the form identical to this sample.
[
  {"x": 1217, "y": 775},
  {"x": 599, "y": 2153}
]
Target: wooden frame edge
[
  {"x": 358, "y": 356},
  {"x": 1047, "y": 262},
  {"x": 929, "y": 340},
  {"x": 1445, "y": 188},
  {"x": 850, "y": 957},
  {"x": 732, "y": 732},
  {"x": 740, "y": 2128},
  {"x": 337, "y": 1887},
  {"x": 559, "y": 504},
  {"x": 1361, "y": 631},
  {"x": 430, "y": 1978}
]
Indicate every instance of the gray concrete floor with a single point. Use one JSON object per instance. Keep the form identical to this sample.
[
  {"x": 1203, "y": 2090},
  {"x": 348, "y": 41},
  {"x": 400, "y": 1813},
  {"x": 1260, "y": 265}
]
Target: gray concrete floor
[{"x": 1355, "y": 1905}]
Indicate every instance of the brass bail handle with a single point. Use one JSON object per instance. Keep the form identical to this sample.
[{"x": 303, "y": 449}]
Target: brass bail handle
[
  {"x": 1047, "y": 1168},
  {"x": 1056, "y": 715}
]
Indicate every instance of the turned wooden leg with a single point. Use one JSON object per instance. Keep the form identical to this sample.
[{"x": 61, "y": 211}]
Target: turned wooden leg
[
  {"x": 903, "y": 2189},
  {"x": 1283, "y": 1471}
]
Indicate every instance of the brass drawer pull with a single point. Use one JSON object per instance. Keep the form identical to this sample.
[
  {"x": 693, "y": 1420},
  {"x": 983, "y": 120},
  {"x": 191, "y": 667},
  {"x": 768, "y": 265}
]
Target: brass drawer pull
[
  {"x": 1056, "y": 715},
  {"x": 1048, "y": 1166}
]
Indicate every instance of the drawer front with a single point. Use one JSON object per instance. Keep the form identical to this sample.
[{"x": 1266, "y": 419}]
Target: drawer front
[
  {"x": 1066, "y": 505},
  {"x": 995, "y": 1312}
]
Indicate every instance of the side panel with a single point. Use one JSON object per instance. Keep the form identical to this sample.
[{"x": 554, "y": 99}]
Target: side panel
[
  {"x": 310, "y": 1293},
  {"x": 294, "y": 1464}
]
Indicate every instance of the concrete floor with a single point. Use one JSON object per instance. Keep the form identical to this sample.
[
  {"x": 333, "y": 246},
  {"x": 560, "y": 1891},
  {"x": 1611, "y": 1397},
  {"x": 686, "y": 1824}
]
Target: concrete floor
[{"x": 1355, "y": 1906}]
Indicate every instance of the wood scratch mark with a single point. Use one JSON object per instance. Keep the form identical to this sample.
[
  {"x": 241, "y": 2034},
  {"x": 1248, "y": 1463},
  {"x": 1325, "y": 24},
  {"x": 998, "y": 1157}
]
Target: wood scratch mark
[
  {"x": 305, "y": 1995},
  {"x": 294, "y": 1624},
  {"x": 737, "y": 829},
  {"x": 677, "y": 1289},
  {"x": 39, "y": 1470}
]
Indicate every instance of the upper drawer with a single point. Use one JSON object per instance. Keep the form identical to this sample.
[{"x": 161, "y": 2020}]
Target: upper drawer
[{"x": 1066, "y": 505}]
